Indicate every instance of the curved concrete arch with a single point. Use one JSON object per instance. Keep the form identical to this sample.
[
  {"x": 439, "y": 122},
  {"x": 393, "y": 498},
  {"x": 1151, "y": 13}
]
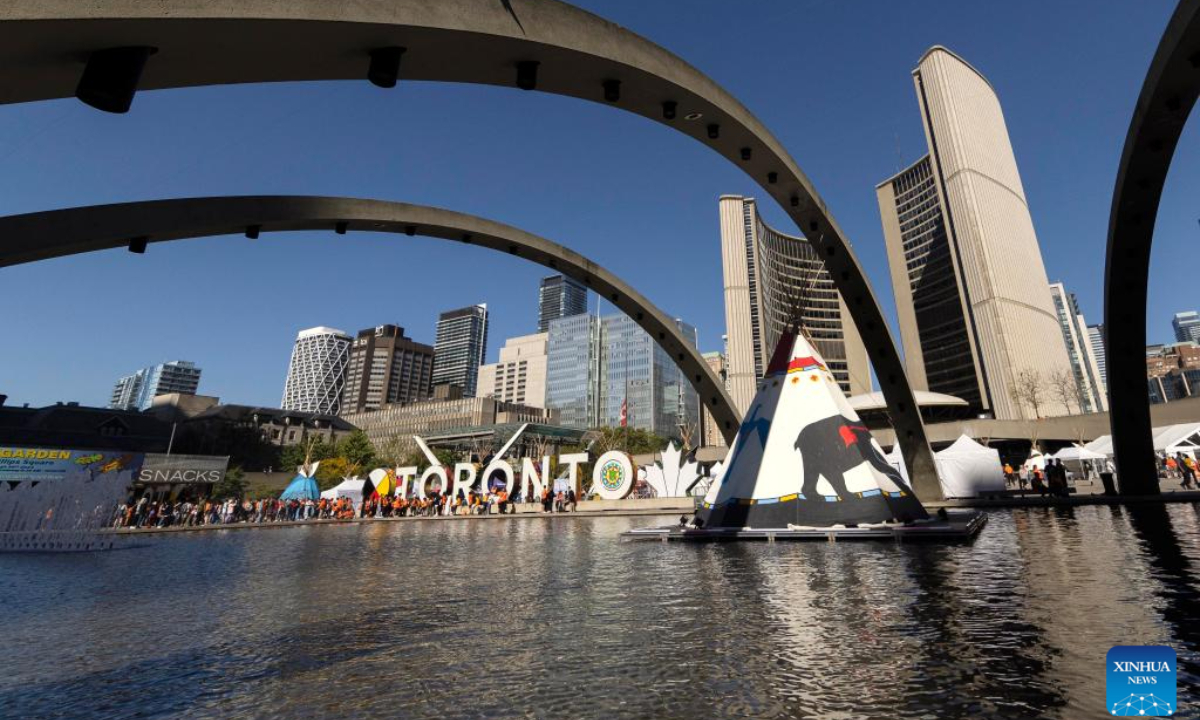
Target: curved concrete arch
[
  {"x": 44, "y": 235},
  {"x": 1168, "y": 94},
  {"x": 44, "y": 45}
]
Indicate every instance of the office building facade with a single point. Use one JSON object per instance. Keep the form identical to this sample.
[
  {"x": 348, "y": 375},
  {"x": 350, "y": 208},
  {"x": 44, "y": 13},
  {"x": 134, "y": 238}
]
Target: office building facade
[
  {"x": 1096, "y": 339},
  {"x": 1186, "y": 326},
  {"x": 137, "y": 391},
  {"x": 1084, "y": 369},
  {"x": 460, "y": 346},
  {"x": 976, "y": 316},
  {"x": 559, "y": 297},
  {"x": 771, "y": 279},
  {"x": 600, "y": 369},
  {"x": 710, "y": 433},
  {"x": 395, "y": 425},
  {"x": 573, "y": 367},
  {"x": 386, "y": 367},
  {"x": 317, "y": 371},
  {"x": 520, "y": 375}
]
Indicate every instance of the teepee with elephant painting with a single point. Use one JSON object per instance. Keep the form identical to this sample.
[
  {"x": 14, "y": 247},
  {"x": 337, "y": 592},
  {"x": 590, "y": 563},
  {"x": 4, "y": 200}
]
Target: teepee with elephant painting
[{"x": 803, "y": 457}]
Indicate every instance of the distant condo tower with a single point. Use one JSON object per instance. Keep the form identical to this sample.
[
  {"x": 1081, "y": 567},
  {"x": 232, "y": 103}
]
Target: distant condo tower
[
  {"x": 559, "y": 297},
  {"x": 460, "y": 346},
  {"x": 317, "y": 372},
  {"x": 386, "y": 367},
  {"x": 137, "y": 391},
  {"x": 766, "y": 274},
  {"x": 972, "y": 295}
]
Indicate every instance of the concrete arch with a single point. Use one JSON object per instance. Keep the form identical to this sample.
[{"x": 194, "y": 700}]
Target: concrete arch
[
  {"x": 55, "y": 233},
  {"x": 1168, "y": 94},
  {"x": 45, "y": 45}
]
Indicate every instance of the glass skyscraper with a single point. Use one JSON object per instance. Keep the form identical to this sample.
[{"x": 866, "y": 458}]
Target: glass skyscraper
[
  {"x": 597, "y": 365},
  {"x": 137, "y": 391},
  {"x": 317, "y": 371},
  {"x": 460, "y": 346},
  {"x": 559, "y": 297}
]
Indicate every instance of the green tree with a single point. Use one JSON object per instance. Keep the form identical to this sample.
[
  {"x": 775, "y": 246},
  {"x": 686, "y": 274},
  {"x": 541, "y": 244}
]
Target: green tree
[
  {"x": 233, "y": 485},
  {"x": 634, "y": 441},
  {"x": 332, "y": 471},
  {"x": 313, "y": 448},
  {"x": 356, "y": 448}
]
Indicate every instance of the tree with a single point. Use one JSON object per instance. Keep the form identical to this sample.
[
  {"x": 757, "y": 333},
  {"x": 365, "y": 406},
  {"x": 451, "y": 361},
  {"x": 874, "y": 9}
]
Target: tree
[
  {"x": 332, "y": 471},
  {"x": 1064, "y": 388},
  {"x": 233, "y": 485},
  {"x": 1029, "y": 389},
  {"x": 634, "y": 441},
  {"x": 392, "y": 451},
  {"x": 311, "y": 450},
  {"x": 356, "y": 448}
]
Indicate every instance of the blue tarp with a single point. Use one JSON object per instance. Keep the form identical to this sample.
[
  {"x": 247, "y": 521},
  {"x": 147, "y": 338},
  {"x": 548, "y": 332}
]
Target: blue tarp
[{"x": 302, "y": 488}]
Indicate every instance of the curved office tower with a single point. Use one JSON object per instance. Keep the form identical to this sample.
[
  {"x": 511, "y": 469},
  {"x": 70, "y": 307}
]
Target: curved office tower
[
  {"x": 971, "y": 289},
  {"x": 768, "y": 276},
  {"x": 317, "y": 372}
]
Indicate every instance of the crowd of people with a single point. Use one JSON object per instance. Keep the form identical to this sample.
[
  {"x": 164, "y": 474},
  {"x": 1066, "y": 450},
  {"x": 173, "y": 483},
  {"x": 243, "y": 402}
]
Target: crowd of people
[
  {"x": 1181, "y": 467},
  {"x": 146, "y": 512},
  {"x": 1051, "y": 480}
]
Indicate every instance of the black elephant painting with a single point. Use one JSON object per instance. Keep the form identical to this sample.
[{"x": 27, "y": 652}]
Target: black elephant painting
[{"x": 834, "y": 445}]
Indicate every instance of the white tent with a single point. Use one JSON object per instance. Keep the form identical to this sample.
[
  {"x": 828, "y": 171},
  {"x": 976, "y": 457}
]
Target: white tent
[
  {"x": 1070, "y": 454},
  {"x": 965, "y": 469},
  {"x": 1168, "y": 439},
  {"x": 1101, "y": 445},
  {"x": 349, "y": 488},
  {"x": 968, "y": 468}
]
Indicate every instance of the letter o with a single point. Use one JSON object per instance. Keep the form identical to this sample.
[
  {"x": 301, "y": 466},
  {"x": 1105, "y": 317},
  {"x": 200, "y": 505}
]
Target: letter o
[
  {"x": 509, "y": 476},
  {"x": 431, "y": 471},
  {"x": 612, "y": 475}
]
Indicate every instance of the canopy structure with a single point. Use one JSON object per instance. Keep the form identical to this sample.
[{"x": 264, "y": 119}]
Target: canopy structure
[
  {"x": 969, "y": 469},
  {"x": 1169, "y": 439},
  {"x": 352, "y": 488},
  {"x": 304, "y": 485},
  {"x": 965, "y": 469},
  {"x": 803, "y": 457},
  {"x": 1070, "y": 454}
]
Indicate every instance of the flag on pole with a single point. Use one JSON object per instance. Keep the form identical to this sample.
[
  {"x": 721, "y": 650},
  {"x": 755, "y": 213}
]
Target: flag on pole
[{"x": 625, "y": 412}]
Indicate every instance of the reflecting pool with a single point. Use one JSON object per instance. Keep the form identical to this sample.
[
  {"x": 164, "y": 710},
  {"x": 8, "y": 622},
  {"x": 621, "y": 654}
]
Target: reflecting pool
[{"x": 556, "y": 618}]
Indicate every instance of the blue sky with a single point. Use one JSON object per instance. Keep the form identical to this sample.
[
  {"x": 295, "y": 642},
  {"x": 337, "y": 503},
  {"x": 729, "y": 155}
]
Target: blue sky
[{"x": 831, "y": 79}]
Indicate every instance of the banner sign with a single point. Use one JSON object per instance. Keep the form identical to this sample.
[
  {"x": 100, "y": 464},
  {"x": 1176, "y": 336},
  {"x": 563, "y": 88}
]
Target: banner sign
[
  {"x": 44, "y": 463},
  {"x": 182, "y": 469}
]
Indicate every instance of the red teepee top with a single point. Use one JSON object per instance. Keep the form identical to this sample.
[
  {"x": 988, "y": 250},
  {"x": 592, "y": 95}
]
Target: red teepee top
[{"x": 783, "y": 353}]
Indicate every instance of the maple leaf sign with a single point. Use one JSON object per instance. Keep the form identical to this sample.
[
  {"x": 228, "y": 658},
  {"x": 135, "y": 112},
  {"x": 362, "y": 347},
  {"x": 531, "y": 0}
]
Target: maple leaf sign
[{"x": 669, "y": 477}]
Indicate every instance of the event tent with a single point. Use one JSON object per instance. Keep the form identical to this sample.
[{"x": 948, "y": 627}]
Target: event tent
[
  {"x": 965, "y": 469},
  {"x": 1069, "y": 454},
  {"x": 349, "y": 488},
  {"x": 1169, "y": 439}
]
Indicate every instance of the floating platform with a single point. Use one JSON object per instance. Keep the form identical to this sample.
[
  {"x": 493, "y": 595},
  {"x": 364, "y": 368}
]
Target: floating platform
[{"x": 962, "y": 525}]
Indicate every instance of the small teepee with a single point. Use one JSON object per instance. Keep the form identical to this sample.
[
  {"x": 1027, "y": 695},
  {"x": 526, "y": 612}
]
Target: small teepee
[
  {"x": 803, "y": 457},
  {"x": 304, "y": 485}
]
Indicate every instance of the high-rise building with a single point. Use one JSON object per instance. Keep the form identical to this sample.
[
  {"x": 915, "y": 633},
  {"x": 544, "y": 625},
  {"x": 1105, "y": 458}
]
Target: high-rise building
[
  {"x": 137, "y": 391},
  {"x": 599, "y": 369},
  {"x": 1084, "y": 369},
  {"x": 1096, "y": 338},
  {"x": 710, "y": 432},
  {"x": 460, "y": 346},
  {"x": 559, "y": 297},
  {"x": 1187, "y": 326},
  {"x": 386, "y": 367},
  {"x": 770, "y": 280},
  {"x": 317, "y": 371},
  {"x": 573, "y": 367},
  {"x": 1173, "y": 371},
  {"x": 641, "y": 382},
  {"x": 520, "y": 376},
  {"x": 976, "y": 317}
]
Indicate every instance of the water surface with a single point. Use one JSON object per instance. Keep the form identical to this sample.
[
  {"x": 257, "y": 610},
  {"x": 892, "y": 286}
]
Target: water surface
[{"x": 543, "y": 618}]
